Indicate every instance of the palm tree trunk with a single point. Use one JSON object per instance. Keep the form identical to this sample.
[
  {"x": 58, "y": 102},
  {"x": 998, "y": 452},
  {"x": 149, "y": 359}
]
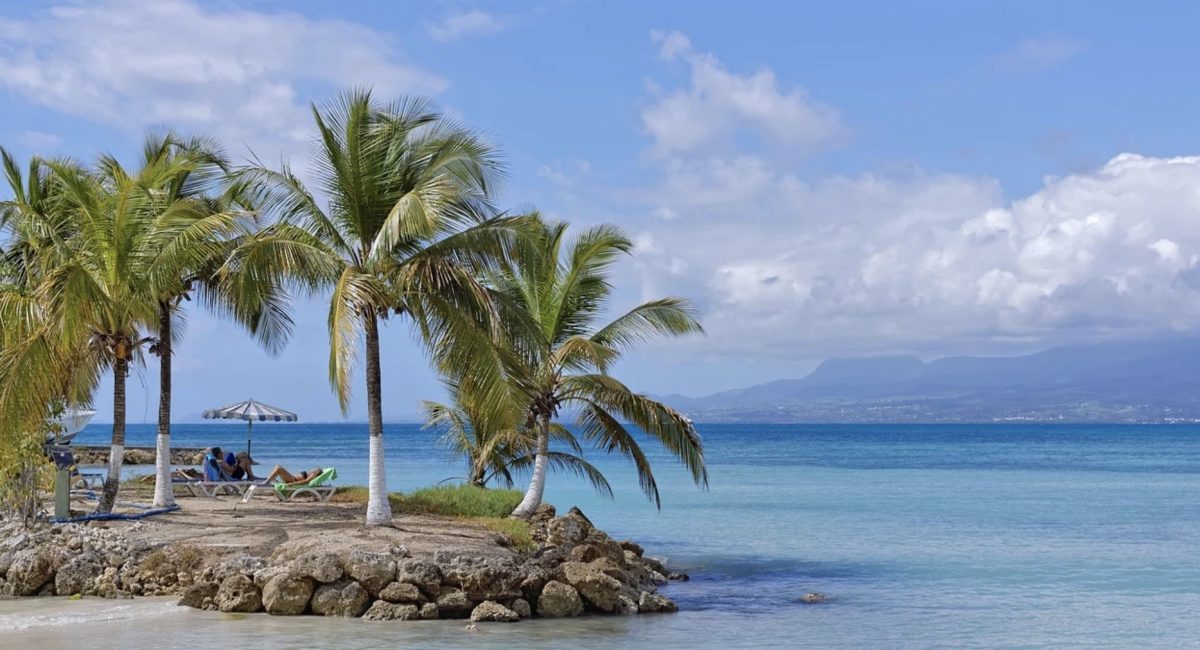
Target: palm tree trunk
[
  {"x": 117, "y": 452},
  {"x": 537, "y": 484},
  {"x": 164, "y": 495},
  {"x": 379, "y": 510}
]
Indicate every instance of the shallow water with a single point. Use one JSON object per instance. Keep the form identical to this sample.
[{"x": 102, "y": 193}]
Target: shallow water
[{"x": 953, "y": 536}]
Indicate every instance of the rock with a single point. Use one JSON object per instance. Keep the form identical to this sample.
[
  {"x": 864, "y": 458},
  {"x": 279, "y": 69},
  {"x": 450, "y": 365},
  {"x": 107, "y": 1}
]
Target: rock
[
  {"x": 652, "y": 603},
  {"x": 632, "y": 547},
  {"x": 319, "y": 565},
  {"x": 246, "y": 565},
  {"x": 535, "y": 579},
  {"x": 569, "y": 530},
  {"x": 680, "y": 577},
  {"x": 655, "y": 565},
  {"x": 454, "y": 604},
  {"x": 494, "y": 612},
  {"x": 484, "y": 579},
  {"x": 263, "y": 576},
  {"x": 625, "y": 605},
  {"x": 78, "y": 575},
  {"x": 559, "y": 600},
  {"x": 543, "y": 514},
  {"x": 237, "y": 593},
  {"x": 287, "y": 595},
  {"x": 426, "y": 575},
  {"x": 521, "y": 607},
  {"x": 401, "y": 592},
  {"x": 382, "y": 610},
  {"x": 373, "y": 571},
  {"x": 341, "y": 598},
  {"x": 813, "y": 597},
  {"x": 597, "y": 587},
  {"x": 31, "y": 569},
  {"x": 429, "y": 611}
]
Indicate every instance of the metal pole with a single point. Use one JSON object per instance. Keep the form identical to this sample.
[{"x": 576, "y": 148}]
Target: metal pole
[{"x": 249, "y": 426}]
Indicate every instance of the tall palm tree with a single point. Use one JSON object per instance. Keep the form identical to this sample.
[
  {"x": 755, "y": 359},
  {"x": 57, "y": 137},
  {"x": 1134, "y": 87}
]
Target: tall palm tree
[
  {"x": 402, "y": 232},
  {"x": 202, "y": 221},
  {"x": 556, "y": 354}
]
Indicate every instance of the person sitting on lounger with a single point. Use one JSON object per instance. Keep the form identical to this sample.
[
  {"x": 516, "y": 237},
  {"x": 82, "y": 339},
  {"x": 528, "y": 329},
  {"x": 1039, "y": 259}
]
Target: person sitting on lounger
[
  {"x": 237, "y": 470},
  {"x": 300, "y": 478}
]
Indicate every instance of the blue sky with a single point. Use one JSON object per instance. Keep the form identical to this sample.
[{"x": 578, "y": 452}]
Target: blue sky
[{"x": 822, "y": 179}]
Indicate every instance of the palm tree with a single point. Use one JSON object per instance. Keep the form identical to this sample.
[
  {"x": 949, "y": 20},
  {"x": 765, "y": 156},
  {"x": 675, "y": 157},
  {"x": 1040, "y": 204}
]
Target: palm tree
[
  {"x": 402, "y": 233},
  {"x": 202, "y": 221},
  {"x": 491, "y": 436},
  {"x": 553, "y": 353}
]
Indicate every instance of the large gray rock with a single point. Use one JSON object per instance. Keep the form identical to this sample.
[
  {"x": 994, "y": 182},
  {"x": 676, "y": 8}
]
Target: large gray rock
[
  {"x": 382, "y": 610},
  {"x": 493, "y": 612},
  {"x": 454, "y": 604},
  {"x": 31, "y": 569},
  {"x": 559, "y": 600},
  {"x": 287, "y": 595},
  {"x": 78, "y": 575},
  {"x": 568, "y": 530},
  {"x": 485, "y": 578},
  {"x": 652, "y": 603},
  {"x": 246, "y": 565},
  {"x": 598, "y": 588},
  {"x": 238, "y": 594},
  {"x": 321, "y": 566},
  {"x": 199, "y": 595},
  {"x": 373, "y": 571},
  {"x": 521, "y": 607},
  {"x": 426, "y": 575},
  {"x": 401, "y": 592},
  {"x": 342, "y": 598}
]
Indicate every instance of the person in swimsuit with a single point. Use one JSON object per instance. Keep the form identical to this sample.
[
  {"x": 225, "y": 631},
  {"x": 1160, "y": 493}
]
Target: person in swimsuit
[{"x": 299, "y": 478}]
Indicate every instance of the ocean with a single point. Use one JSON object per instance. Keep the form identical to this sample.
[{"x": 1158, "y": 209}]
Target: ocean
[{"x": 963, "y": 536}]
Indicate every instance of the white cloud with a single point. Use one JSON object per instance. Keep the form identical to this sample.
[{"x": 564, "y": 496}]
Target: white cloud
[
  {"x": 245, "y": 76},
  {"x": 38, "y": 142},
  {"x": 1038, "y": 54},
  {"x": 718, "y": 105},
  {"x": 928, "y": 263},
  {"x": 457, "y": 26}
]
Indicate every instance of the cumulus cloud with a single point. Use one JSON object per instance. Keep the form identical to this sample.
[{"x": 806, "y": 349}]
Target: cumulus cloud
[
  {"x": 717, "y": 105},
  {"x": 239, "y": 74},
  {"x": 928, "y": 263},
  {"x": 460, "y": 25}
]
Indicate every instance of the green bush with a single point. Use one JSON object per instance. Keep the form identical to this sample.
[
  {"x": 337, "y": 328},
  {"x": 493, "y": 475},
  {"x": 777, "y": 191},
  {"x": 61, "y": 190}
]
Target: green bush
[{"x": 458, "y": 501}]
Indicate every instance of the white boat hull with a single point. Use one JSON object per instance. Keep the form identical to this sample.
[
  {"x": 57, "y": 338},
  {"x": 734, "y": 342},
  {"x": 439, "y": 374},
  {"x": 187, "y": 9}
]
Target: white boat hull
[{"x": 72, "y": 422}]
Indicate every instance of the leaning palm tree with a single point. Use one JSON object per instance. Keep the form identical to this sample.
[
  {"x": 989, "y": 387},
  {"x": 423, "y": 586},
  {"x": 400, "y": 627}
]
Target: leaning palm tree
[
  {"x": 403, "y": 233},
  {"x": 100, "y": 291},
  {"x": 493, "y": 439},
  {"x": 555, "y": 353}
]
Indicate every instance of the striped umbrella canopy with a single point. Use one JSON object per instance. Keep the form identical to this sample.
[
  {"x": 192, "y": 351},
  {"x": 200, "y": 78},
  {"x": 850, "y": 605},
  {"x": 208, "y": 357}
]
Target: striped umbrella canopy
[{"x": 250, "y": 411}]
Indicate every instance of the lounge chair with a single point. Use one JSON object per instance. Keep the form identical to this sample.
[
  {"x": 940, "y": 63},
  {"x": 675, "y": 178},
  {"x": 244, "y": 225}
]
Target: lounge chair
[
  {"x": 216, "y": 480},
  {"x": 317, "y": 486}
]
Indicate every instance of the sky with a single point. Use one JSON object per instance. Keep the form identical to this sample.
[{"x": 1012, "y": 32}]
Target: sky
[{"x": 820, "y": 179}]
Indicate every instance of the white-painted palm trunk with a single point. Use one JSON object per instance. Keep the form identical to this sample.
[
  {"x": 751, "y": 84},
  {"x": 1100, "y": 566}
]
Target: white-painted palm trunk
[
  {"x": 537, "y": 483},
  {"x": 379, "y": 511},
  {"x": 164, "y": 494}
]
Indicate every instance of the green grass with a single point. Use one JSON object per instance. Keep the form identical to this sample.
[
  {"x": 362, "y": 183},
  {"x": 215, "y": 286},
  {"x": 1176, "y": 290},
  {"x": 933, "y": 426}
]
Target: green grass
[
  {"x": 487, "y": 507},
  {"x": 458, "y": 501}
]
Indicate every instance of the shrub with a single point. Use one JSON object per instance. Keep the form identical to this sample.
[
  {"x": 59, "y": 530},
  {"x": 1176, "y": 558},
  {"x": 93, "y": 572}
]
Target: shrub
[{"x": 458, "y": 501}]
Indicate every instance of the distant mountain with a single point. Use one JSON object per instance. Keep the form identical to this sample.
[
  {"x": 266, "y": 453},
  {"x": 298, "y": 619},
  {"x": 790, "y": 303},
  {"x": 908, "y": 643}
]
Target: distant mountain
[{"x": 1156, "y": 381}]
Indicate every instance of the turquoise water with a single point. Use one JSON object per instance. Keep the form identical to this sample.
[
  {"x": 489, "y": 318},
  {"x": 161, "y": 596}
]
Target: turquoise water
[{"x": 922, "y": 536}]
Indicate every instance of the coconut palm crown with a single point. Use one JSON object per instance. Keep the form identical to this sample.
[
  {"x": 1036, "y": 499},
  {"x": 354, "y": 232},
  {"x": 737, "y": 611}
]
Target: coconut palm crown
[{"x": 405, "y": 227}]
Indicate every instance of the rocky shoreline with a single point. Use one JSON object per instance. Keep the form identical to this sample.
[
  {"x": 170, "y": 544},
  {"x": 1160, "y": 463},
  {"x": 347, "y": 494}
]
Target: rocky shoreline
[
  {"x": 576, "y": 569},
  {"x": 98, "y": 455}
]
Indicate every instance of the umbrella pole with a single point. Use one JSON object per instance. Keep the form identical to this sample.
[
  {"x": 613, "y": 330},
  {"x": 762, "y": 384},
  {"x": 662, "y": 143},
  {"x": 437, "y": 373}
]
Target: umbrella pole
[{"x": 249, "y": 427}]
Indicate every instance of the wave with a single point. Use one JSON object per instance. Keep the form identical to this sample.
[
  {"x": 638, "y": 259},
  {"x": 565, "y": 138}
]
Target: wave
[{"x": 56, "y": 612}]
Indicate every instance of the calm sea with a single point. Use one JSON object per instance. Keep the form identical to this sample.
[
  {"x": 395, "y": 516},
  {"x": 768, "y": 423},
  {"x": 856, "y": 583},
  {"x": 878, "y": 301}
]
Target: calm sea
[{"x": 923, "y": 536}]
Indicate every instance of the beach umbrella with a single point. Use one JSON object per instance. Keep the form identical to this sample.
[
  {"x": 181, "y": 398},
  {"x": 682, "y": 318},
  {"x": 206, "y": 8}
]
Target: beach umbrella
[{"x": 250, "y": 411}]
